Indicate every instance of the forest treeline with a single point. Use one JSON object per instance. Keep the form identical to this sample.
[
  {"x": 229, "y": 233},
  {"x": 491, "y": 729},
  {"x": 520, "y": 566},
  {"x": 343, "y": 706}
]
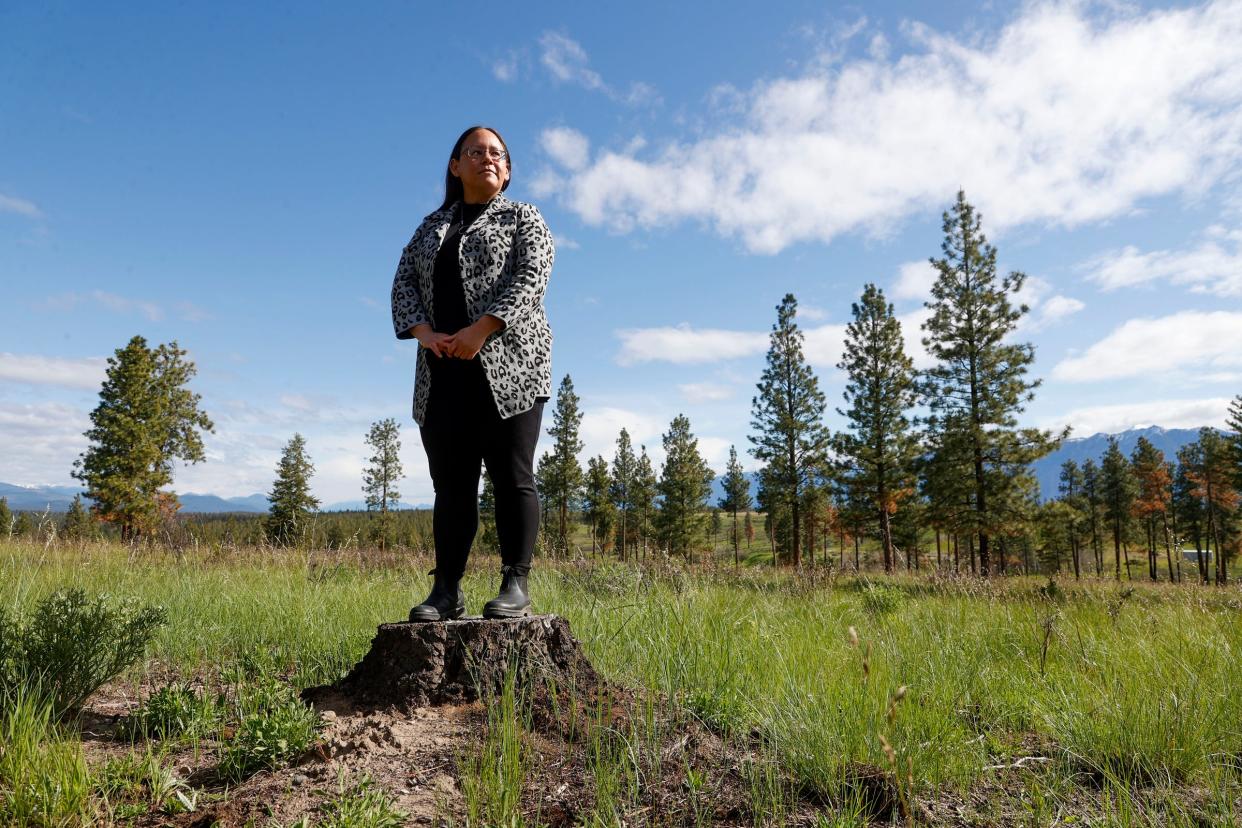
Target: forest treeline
[{"x": 931, "y": 465}]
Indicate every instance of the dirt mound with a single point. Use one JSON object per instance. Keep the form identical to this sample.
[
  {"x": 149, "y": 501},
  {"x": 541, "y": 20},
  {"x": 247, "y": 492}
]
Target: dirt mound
[{"x": 423, "y": 717}]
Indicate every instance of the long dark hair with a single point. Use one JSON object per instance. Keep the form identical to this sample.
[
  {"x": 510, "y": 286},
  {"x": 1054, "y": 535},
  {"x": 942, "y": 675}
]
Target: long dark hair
[{"x": 453, "y": 191}]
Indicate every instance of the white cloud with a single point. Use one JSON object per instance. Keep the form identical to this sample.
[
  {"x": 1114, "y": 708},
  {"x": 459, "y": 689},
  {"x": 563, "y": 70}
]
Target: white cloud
[
  {"x": 120, "y": 304},
  {"x": 41, "y": 442},
  {"x": 701, "y": 392},
  {"x": 1110, "y": 419},
  {"x": 567, "y": 62},
  {"x": 1057, "y": 308},
  {"x": 567, "y": 147},
  {"x": 505, "y": 69},
  {"x": 1190, "y": 344},
  {"x": 602, "y": 424},
  {"x": 12, "y": 204},
  {"x": 915, "y": 280},
  {"x": 1213, "y": 266},
  {"x": 1059, "y": 118},
  {"x": 43, "y": 370},
  {"x": 683, "y": 345}
]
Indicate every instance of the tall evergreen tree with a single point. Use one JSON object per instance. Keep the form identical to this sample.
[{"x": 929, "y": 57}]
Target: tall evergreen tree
[
  {"x": 1153, "y": 480},
  {"x": 624, "y": 467},
  {"x": 1070, "y": 489},
  {"x": 685, "y": 484},
  {"x": 146, "y": 419},
  {"x": 488, "y": 538},
  {"x": 787, "y": 415},
  {"x": 1213, "y": 477},
  {"x": 979, "y": 382},
  {"x": 77, "y": 524},
  {"x": 736, "y": 497},
  {"x": 23, "y": 526},
  {"x": 1118, "y": 489},
  {"x": 291, "y": 501},
  {"x": 380, "y": 477},
  {"x": 880, "y": 389},
  {"x": 545, "y": 486},
  {"x": 597, "y": 502},
  {"x": 1093, "y": 503},
  {"x": 565, "y": 474},
  {"x": 1234, "y": 422},
  {"x": 643, "y": 491},
  {"x": 6, "y": 518},
  {"x": 1189, "y": 515}
]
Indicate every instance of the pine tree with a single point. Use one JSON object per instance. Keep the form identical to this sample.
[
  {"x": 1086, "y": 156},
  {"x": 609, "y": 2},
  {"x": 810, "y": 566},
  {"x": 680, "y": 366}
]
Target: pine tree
[
  {"x": 488, "y": 538},
  {"x": 597, "y": 502},
  {"x": 565, "y": 475},
  {"x": 1188, "y": 512},
  {"x": 624, "y": 467},
  {"x": 879, "y": 445},
  {"x": 787, "y": 417},
  {"x": 380, "y": 477},
  {"x": 23, "y": 526},
  {"x": 1118, "y": 490},
  {"x": 77, "y": 524},
  {"x": 1071, "y": 491},
  {"x": 544, "y": 486},
  {"x": 979, "y": 383},
  {"x": 1093, "y": 503},
  {"x": 291, "y": 502},
  {"x": 1154, "y": 480},
  {"x": 685, "y": 484},
  {"x": 146, "y": 419},
  {"x": 736, "y": 497},
  {"x": 6, "y": 518},
  {"x": 1234, "y": 422},
  {"x": 643, "y": 493},
  {"x": 1213, "y": 477}
]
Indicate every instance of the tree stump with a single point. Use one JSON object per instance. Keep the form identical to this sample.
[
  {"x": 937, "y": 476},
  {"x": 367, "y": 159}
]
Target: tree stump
[{"x": 451, "y": 662}]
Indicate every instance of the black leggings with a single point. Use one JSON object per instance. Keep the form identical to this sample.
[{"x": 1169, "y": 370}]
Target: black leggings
[{"x": 461, "y": 431}]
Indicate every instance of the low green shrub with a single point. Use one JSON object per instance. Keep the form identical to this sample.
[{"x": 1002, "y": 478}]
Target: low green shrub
[
  {"x": 273, "y": 726},
  {"x": 881, "y": 599},
  {"x": 177, "y": 711},
  {"x": 70, "y": 645}
]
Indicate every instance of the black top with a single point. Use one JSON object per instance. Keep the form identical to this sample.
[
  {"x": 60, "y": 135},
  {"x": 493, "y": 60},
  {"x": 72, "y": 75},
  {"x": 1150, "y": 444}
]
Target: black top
[{"x": 449, "y": 305}]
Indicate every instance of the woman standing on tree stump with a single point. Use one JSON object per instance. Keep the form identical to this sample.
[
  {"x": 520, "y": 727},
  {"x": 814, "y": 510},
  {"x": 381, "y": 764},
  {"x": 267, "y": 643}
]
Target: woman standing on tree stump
[{"x": 470, "y": 288}]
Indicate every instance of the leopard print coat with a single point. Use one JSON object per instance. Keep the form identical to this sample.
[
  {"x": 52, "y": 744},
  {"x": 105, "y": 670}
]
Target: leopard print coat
[{"x": 506, "y": 258}]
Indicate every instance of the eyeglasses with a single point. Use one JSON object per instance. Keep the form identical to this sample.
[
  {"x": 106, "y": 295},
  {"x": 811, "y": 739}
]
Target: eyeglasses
[{"x": 478, "y": 153}]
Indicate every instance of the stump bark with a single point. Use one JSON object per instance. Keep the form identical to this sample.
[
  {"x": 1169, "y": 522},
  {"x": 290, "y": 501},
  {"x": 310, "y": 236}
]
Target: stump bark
[{"x": 451, "y": 662}]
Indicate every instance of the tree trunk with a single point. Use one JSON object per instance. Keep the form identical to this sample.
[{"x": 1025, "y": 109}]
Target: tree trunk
[{"x": 886, "y": 538}]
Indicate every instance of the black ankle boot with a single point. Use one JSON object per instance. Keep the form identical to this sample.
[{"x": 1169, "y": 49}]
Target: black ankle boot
[
  {"x": 513, "y": 600},
  {"x": 445, "y": 602}
]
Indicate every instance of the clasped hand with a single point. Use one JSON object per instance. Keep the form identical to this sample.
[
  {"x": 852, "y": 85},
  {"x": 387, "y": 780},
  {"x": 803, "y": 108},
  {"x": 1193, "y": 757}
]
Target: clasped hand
[{"x": 465, "y": 344}]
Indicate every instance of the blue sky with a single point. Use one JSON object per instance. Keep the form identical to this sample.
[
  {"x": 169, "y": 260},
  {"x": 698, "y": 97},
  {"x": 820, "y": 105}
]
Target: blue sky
[{"x": 242, "y": 179}]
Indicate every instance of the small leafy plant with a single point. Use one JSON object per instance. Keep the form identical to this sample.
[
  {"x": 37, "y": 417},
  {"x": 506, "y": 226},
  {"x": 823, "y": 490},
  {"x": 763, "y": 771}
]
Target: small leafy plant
[
  {"x": 273, "y": 726},
  {"x": 178, "y": 711}
]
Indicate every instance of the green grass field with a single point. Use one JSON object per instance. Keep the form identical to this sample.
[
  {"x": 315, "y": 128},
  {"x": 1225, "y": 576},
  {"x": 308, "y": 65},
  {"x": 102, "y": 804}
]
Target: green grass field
[{"x": 1091, "y": 698}]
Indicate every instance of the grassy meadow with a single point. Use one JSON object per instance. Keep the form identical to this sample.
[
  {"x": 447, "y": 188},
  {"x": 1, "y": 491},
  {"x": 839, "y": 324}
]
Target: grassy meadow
[{"x": 1091, "y": 702}]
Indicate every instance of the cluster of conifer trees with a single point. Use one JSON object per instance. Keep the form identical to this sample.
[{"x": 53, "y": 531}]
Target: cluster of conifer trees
[
  {"x": 958, "y": 475},
  {"x": 1146, "y": 502}
]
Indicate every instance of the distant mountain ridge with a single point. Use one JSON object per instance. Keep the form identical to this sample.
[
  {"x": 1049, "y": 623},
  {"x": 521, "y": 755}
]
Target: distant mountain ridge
[
  {"x": 1080, "y": 449},
  {"x": 58, "y": 498}
]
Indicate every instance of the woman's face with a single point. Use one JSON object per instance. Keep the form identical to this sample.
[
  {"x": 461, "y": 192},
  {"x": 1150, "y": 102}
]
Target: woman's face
[{"x": 483, "y": 166}]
